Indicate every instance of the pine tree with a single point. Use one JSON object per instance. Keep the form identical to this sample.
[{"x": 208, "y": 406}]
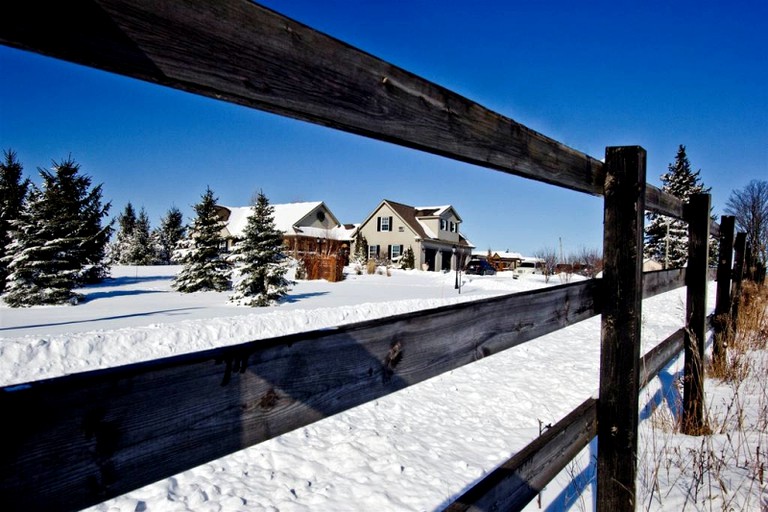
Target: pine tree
[
  {"x": 41, "y": 267},
  {"x": 204, "y": 265},
  {"x": 168, "y": 235},
  {"x": 261, "y": 254},
  {"x": 361, "y": 249},
  {"x": 408, "y": 259},
  {"x": 666, "y": 238},
  {"x": 126, "y": 224},
  {"x": 139, "y": 249},
  {"x": 59, "y": 240},
  {"x": 13, "y": 189}
]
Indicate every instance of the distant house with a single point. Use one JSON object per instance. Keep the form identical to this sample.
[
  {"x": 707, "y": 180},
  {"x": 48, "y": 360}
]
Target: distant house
[
  {"x": 505, "y": 260},
  {"x": 307, "y": 227},
  {"x": 432, "y": 232}
]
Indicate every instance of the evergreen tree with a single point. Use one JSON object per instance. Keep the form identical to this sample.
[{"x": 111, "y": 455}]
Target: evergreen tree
[
  {"x": 168, "y": 235},
  {"x": 204, "y": 265},
  {"x": 59, "y": 240},
  {"x": 666, "y": 238},
  {"x": 408, "y": 259},
  {"x": 126, "y": 224},
  {"x": 261, "y": 254},
  {"x": 41, "y": 264},
  {"x": 139, "y": 249},
  {"x": 13, "y": 189},
  {"x": 361, "y": 249}
]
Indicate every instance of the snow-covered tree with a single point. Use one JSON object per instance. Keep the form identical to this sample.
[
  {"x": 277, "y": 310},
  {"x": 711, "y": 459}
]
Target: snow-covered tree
[
  {"x": 168, "y": 235},
  {"x": 407, "y": 261},
  {"x": 59, "y": 241},
  {"x": 126, "y": 223},
  {"x": 360, "y": 255},
  {"x": 13, "y": 189},
  {"x": 666, "y": 238},
  {"x": 139, "y": 249},
  {"x": 42, "y": 269},
  {"x": 260, "y": 255},
  {"x": 204, "y": 266}
]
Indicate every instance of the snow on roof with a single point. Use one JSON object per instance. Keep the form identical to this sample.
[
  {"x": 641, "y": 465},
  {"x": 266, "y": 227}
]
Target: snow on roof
[
  {"x": 285, "y": 216},
  {"x": 427, "y": 231},
  {"x": 335, "y": 233},
  {"x": 509, "y": 255},
  {"x": 432, "y": 210}
]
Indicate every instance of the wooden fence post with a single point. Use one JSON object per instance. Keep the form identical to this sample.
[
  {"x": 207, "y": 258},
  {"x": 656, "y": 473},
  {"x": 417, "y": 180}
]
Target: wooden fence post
[
  {"x": 722, "y": 325},
  {"x": 697, "y": 215},
  {"x": 739, "y": 251},
  {"x": 620, "y": 328}
]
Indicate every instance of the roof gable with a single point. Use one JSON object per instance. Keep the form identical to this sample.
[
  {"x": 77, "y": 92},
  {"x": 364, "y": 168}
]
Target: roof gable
[{"x": 285, "y": 216}]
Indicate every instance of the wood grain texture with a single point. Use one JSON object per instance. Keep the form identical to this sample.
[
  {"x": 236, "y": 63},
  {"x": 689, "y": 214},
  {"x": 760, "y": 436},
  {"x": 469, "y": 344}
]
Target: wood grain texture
[
  {"x": 237, "y": 51},
  {"x": 660, "y": 202},
  {"x": 96, "y": 435},
  {"x": 661, "y": 281},
  {"x": 620, "y": 328},
  {"x": 697, "y": 275}
]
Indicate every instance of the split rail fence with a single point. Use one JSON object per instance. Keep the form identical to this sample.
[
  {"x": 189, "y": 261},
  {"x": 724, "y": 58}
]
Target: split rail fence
[{"x": 81, "y": 439}]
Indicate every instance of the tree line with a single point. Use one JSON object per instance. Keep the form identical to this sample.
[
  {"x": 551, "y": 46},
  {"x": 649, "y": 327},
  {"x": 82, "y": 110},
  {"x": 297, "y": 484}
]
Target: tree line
[{"x": 56, "y": 237}]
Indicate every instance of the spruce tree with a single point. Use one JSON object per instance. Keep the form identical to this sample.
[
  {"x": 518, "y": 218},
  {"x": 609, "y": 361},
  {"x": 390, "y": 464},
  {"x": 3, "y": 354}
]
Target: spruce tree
[
  {"x": 260, "y": 253},
  {"x": 41, "y": 267},
  {"x": 666, "y": 238},
  {"x": 59, "y": 241},
  {"x": 361, "y": 249},
  {"x": 13, "y": 189},
  {"x": 126, "y": 224},
  {"x": 204, "y": 266},
  {"x": 168, "y": 235},
  {"x": 139, "y": 249}
]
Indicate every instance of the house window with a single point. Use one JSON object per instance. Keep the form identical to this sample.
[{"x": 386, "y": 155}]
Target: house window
[
  {"x": 395, "y": 251},
  {"x": 453, "y": 227},
  {"x": 384, "y": 224},
  {"x": 444, "y": 224},
  {"x": 373, "y": 252}
]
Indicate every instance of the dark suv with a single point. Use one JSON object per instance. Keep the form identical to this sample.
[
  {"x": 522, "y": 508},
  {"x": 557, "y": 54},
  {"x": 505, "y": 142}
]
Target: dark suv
[{"x": 480, "y": 268}]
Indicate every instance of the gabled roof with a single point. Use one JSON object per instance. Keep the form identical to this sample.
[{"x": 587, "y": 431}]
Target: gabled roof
[
  {"x": 287, "y": 218},
  {"x": 411, "y": 217}
]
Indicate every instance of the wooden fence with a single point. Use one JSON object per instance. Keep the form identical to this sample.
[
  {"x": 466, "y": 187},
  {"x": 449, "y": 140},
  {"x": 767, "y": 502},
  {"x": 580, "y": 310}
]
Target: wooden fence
[{"x": 81, "y": 439}]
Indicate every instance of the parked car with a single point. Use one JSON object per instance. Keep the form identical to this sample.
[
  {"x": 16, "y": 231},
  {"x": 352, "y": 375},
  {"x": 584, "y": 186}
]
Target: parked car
[{"x": 480, "y": 268}]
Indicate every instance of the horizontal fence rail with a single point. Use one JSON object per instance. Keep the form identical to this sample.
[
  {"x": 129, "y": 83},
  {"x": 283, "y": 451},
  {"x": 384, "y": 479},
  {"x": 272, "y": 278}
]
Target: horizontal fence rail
[
  {"x": 95, "y": 435},
  {"x": 515, "y": 483},
  {"x": 105, "y": 432}
]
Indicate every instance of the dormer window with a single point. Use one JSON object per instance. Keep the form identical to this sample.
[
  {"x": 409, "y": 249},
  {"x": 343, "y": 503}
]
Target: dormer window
[{"x": 444, "y": 224}]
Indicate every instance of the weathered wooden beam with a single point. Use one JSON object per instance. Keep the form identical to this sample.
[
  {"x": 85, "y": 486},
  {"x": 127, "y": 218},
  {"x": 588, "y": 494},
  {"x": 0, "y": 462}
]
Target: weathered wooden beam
[
  {"x": 241, "y": 52},
  {"x": 661, "y": 281},
  {"x": 739, "y": 264},
  {"x": 82, "y": 439},
  {"x": 696, "y": 314},
  {"x": 722, "y": 320},
  {"x": 660, "y": 202},
  {"x": 620, "y": 328},
  {"x": 659, "y": 356}
]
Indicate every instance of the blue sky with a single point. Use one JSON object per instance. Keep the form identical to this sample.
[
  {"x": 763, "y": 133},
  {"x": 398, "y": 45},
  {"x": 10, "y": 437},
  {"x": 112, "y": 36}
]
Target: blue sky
[{"x": 589, "y": 74}]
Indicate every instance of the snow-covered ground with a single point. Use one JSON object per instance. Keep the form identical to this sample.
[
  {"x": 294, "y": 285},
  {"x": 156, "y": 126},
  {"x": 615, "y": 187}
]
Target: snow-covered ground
[{"x": 410, "y": 451}]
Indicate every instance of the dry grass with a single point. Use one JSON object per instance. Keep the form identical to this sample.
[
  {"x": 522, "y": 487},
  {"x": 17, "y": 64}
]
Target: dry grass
[{"x": 724, "y": 470}]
